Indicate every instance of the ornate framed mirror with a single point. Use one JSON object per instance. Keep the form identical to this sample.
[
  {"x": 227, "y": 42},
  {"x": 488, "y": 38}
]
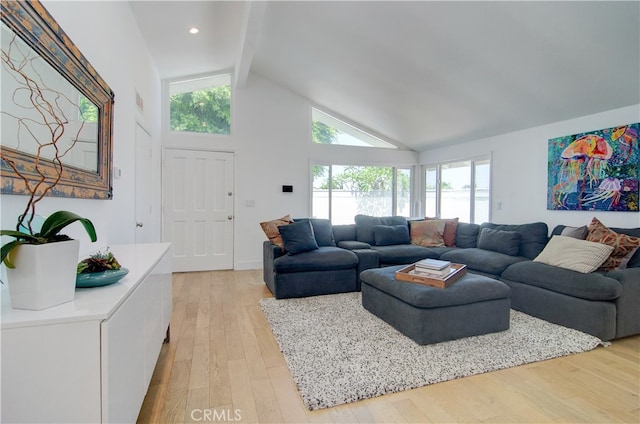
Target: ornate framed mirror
[{"x": 56, "y": 111}]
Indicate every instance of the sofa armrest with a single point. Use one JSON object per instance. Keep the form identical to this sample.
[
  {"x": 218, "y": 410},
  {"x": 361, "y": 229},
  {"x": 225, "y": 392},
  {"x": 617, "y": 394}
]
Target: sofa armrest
[
  {"x": 367, "y": 259},
  {"x": 353, "y": 245},
  {"x": 627, "y": 310},
  {"x": 270, "y": 252}
]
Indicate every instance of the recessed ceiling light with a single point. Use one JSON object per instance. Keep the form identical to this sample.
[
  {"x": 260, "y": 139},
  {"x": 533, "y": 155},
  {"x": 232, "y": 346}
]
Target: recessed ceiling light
[{"x": 194, "y": 30}]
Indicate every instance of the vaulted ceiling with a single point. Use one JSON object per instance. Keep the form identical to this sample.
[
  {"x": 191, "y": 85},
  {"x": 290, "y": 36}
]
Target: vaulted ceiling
[{"x": 419, "y": 73}]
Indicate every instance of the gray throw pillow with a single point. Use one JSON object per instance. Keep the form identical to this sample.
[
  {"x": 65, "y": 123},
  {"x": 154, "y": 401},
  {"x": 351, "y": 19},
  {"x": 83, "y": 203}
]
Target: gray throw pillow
[
  {"x": 575, "y": 232},
  {"x": 388, "y": 235},
  {"x": 501, "y": 241},
  {"x": 298, "y": 237}
]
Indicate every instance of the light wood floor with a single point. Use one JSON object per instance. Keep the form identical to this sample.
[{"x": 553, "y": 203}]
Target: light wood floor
[{"x": 223, "y": 364}]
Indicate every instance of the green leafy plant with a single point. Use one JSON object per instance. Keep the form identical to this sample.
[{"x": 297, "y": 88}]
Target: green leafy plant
[
  {"x": 99, "y": 262},
  {"x": 49, "y": 233}
]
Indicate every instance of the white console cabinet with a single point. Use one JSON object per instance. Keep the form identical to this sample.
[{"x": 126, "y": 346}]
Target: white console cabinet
[{"x": 90, "y": 360}]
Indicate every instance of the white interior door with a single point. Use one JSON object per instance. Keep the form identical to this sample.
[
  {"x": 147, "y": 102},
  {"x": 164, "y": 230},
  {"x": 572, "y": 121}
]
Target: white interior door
[
  {"x": 198, "y": 209},
  {"x": 144, "y": 188}
]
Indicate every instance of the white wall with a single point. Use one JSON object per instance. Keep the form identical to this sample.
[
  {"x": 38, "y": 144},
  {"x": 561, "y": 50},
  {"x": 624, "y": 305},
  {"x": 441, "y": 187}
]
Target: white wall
[
  {"x": 107, "y": 35},
  {"x": 271, "y": 141},
  {"x": 519, "y": 170}
]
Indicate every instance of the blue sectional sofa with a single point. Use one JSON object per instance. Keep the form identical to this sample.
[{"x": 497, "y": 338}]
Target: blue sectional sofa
[{"x": 604, "y": 304}]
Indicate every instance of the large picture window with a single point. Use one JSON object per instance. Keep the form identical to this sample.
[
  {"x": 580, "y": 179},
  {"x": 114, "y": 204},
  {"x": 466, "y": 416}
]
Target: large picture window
[
  {"x": 459, "y": 189},
  {"x": 201, "y": 105},
  {"x": 342, "y": 191}
]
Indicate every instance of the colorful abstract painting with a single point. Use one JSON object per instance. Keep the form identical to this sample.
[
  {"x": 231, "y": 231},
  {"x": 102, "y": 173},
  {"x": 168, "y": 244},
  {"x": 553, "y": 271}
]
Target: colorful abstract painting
[{"x": 595, "y": 171}]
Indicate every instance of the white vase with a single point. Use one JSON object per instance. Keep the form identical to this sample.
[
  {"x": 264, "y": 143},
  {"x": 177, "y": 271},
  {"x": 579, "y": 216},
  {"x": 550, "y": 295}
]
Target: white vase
[{"x": 44, "y": 274}]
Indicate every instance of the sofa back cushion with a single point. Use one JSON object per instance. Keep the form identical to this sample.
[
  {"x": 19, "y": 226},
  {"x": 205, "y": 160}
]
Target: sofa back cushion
[
  {"x": 467, "y": 235},
  {"x": 365, "y": 225},
  {"x": 346, "y": 232},
  {"x": 533, "y": 239},
  {"x": 501, "y": 241}
]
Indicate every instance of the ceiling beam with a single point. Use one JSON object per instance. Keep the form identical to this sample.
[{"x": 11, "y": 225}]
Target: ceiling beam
[{"x": 251, "y": 32}]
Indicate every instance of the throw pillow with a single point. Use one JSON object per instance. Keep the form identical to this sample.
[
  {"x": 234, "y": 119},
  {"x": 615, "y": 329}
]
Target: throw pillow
[
  {"x": 501, "y": 241},
  {"x": 270, "y": 229},
  {"x": 623, "y": 245},
  {"x": 387, "y": 235},
  {"x": 450, "y": 227},
  {"x": 574, "y": 254},
  {"x": 428, "y": 233},
  {"x": 575, "y": 232},
  {"x": 322, "y": 229},
  {"x": 298, "y": 237}
]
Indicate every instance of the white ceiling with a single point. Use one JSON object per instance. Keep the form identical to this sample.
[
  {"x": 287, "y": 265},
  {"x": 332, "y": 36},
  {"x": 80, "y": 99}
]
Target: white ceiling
[{"x": 419, "y": 74}]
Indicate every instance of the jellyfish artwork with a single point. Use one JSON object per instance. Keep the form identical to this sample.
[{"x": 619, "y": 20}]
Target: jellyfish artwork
[
  {"x": 586, "y": 158},
  {"x": 609, "y": 188},
  {"x": 627, "y": 136}
]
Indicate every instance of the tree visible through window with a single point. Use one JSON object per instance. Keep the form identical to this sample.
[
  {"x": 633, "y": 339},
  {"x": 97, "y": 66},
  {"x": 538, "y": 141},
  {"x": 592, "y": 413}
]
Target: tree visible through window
[
  {"x": 201, "y": 105},
  {"x": 328, "y": 129},
  {"x": 340, "y": 192}
]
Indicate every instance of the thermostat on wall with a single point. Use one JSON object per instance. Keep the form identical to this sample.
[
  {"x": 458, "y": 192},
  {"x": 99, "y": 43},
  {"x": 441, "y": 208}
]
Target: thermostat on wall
[{"x": 287, "y": 189}]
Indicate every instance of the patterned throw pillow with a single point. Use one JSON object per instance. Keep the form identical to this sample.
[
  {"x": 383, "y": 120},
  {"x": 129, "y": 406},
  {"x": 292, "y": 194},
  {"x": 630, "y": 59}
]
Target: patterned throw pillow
[
  {"x": 450, "y": 227},
  {"x": 623, "y": 245},
  {"x": 427, "y": 233},
  {"x": 270, "y": 228}
]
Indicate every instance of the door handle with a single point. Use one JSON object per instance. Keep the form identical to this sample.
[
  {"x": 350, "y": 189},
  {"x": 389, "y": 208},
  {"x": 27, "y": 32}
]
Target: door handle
[
  {"x": 139, "y": 224},
  {"x": 229, "y": 217}
]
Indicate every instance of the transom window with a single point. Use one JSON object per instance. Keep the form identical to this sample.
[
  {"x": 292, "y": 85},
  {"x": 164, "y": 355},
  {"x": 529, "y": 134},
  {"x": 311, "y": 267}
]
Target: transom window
[
  {"x": 201, "y": 105},
  {"x": 328, "y": 129}
]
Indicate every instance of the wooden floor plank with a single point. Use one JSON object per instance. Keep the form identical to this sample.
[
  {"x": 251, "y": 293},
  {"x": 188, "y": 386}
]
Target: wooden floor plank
[{"x": 223, "y": 360}]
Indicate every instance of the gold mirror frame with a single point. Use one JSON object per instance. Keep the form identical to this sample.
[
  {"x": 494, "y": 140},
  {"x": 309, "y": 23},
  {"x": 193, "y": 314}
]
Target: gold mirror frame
[{"x": 31, "y": 22}]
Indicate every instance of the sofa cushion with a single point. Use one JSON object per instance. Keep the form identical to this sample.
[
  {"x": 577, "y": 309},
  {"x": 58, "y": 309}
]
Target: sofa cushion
[
  {"x": 624, "y": 245},
  {"x": 450, "y": 228},
  {"x": 401, "y": 254},
  {"x": 501, "y": 241},
  {"x": 386, "y": 235},
  {"x": 321, "y": 259},
  {"x": 467, "y": 235},
  {"x": 354, "y": 245},
  {"x": 344, "y": 232},
  {"x": 485, "y": 261},
  {"x": 428, "y": 233},
  {"x": 534, "y": 236},
  {"x": 322, "y": 230},
  {"x": 575, "y": 254},
  {"x": 270, "y": 229},
  {"x": 593, "y": 286},
  {"x": 366, "y": 223},
  {"x": 298, "y": 237}
]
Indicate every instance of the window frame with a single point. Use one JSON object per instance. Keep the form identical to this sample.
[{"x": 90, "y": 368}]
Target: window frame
[
  {"x": 473, "y": 163},
  {"x": 370, "y": 140},
  {"x": 394, "y": 188},
  {"x": 166, "y": 103}
]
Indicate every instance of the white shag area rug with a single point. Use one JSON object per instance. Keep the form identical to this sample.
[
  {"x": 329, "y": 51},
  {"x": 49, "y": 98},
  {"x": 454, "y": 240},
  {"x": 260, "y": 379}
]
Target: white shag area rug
[{"x": 338, "y": 352}]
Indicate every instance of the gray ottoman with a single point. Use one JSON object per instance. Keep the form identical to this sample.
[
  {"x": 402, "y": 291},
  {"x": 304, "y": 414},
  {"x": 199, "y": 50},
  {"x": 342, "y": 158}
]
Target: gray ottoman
[{"x": 473, "y": 305}]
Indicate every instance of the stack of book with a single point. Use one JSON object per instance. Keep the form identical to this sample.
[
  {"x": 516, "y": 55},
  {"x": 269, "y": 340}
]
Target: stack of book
[{"x": 433, "y": 268}]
